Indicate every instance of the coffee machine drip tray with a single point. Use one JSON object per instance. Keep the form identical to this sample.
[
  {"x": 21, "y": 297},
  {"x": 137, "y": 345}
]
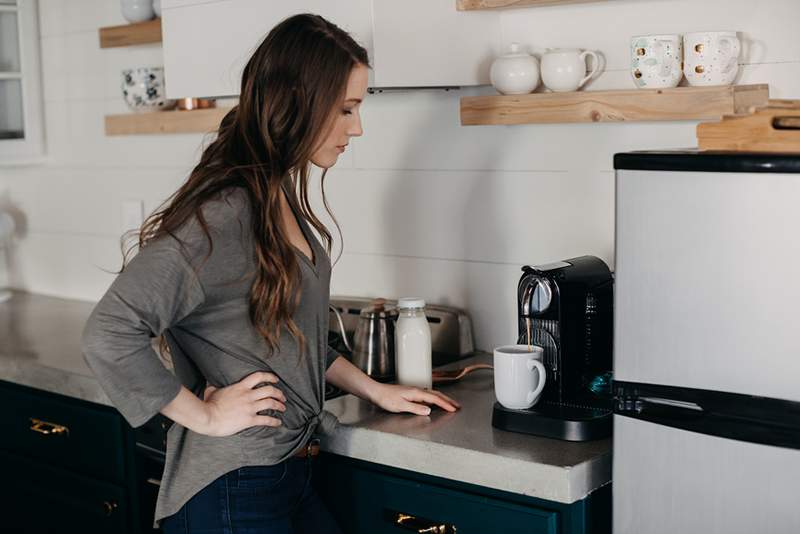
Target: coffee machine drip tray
[{"x": 570, "y": 422}]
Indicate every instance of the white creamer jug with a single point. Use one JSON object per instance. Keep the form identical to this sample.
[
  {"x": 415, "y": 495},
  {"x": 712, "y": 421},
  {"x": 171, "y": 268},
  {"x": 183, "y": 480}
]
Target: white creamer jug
[{"x": 413, "y": 344}]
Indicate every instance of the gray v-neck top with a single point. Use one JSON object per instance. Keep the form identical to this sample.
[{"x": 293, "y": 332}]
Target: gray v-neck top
[{"x": 201, "y": 307}]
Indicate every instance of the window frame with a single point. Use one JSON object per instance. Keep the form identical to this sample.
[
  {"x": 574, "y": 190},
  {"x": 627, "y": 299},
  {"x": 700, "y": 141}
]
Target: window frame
[{"x": 29, "y": 149}]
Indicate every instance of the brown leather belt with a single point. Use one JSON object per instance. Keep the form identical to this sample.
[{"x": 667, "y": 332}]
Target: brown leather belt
[{"x": 311, "y": 449}]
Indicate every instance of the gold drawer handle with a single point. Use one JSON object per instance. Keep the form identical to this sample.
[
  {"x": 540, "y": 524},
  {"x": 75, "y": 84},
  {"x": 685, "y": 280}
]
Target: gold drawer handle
[
  {"x": 110, "y": 507},
  {"x": 48, "y": 429},
  {"x": 420, "y": 525}
]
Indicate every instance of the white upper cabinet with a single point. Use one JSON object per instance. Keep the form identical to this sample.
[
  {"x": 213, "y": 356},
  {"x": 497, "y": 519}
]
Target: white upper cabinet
[
  {"x": 207, "y": 44},
  {"x": 423, "y": 43},
  {"x": 411, "y": 43}
]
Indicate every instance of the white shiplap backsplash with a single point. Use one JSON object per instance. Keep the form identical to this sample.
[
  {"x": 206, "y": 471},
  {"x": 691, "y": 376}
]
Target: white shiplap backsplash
[{"x": 427, "y": 207}]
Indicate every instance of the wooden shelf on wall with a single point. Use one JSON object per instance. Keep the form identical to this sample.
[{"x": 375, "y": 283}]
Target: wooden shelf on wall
[
  {"x": 131, "y": 34},
  {"x": 469, "y": 5},
  {"x": 165, "y": 122},
  {"x": 680, "y": 103}
]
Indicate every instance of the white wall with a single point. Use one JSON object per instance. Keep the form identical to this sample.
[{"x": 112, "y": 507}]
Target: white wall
[{"x": 427, "y": 207}]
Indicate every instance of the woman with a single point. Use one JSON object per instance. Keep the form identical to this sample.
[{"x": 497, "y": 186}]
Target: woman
[{"x": 230, "y": 273}]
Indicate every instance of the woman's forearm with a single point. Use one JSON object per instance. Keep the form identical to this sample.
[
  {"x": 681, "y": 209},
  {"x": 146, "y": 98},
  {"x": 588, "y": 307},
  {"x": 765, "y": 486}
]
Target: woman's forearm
[
  {"x": 350, "y": 378},
  {"x": 188, "y": 411}
]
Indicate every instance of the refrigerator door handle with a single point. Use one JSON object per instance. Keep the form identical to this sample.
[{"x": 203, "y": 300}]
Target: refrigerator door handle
[
  {"x": 715, "y": 413},
  {"x": 671, "y": 403},
  {"x": 661, "y": 410}
]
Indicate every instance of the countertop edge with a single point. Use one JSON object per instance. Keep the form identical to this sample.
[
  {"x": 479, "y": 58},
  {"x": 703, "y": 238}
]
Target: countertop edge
[
  {"x": 53, "y": 380},
  {"x": 564, "y": 485}
]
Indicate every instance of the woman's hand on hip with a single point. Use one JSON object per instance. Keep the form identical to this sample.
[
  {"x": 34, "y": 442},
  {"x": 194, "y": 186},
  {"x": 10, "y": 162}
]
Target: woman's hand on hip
[
  {"x": 233, "y": 408},
  {"x": 397, "y": 398}
]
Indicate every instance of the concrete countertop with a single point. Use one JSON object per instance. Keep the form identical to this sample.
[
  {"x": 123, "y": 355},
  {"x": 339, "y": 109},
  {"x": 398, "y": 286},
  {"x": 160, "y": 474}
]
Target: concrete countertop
[
  {"x": 40, "y": 348},
  {"x": 464, "y": 445}
]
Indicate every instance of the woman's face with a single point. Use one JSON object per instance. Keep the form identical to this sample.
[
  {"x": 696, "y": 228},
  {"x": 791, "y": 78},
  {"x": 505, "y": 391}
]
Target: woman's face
[{"x": 346, "y": 120}]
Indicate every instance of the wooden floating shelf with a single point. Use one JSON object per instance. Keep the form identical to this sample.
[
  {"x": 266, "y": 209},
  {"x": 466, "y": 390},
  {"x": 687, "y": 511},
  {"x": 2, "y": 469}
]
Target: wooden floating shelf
[
  {"x": 469, "y": 5},
  {"x": 165, "y": 122},
  {"x": 680, "y": 103},
  {"x": 131, "y": 34}
]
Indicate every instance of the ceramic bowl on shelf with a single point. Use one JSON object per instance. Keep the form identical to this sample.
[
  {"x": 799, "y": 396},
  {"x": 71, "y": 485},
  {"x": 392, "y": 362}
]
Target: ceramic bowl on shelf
[
  {"x": 137, "y": 10},
  {"x": 143, "y": 89}
]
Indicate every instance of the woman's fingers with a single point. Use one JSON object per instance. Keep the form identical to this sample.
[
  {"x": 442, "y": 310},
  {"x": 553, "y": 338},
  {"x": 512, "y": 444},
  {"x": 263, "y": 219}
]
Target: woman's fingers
[
  {"x": 418, "y": 409},
  {"x": 432, "y": 398},
  {"x": 265, "y": 420},
  {"x": 269, "y": 404},
  {"x": 259, "y": 377},
  {"x": 266, "y": 392},
  {"x": 445, "y": 397}
]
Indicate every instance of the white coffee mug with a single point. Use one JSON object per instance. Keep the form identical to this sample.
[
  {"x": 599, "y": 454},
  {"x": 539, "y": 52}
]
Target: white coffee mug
[
  {"x": 519, "y": 375},
  {"x": 564, "y": 69},
  {"x": 711, "y": 58},
  {"x": 657, "y": 61}
]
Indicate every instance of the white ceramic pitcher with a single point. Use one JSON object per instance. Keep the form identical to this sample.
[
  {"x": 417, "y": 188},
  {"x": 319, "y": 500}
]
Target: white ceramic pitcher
[{"x": 564, "y": 69}]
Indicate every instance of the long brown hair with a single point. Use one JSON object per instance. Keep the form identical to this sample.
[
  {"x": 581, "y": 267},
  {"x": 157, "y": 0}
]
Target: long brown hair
[{"x": 291, "y": 89}]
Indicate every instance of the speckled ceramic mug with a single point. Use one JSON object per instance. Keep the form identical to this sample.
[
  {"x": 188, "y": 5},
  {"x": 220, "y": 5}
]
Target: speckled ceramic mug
[
  {"x": 656, "y": 61},
  {"x": 711, "y": 58},
  {"x": 143, "y": 89}
]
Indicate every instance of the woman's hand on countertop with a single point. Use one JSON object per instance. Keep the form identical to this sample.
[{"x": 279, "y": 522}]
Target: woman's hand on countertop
[
  {"x": 391, "y": 397},
  {"x": 398, "y": 398}
]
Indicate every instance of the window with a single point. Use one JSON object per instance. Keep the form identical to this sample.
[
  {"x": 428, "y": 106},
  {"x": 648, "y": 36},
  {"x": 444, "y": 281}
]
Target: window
[{"x": 21, "y": 136}]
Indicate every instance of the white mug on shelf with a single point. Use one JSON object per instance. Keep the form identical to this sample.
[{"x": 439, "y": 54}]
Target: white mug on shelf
[
  {"x": 519, "y": 375},
  {"x": 656, "y": 61},
  {"x": 564, "y": 69},
  {"x": 711, "y": 58}
]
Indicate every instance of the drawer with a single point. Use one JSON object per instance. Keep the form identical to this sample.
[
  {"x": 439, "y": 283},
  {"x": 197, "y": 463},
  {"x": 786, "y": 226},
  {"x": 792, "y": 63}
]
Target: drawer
[
  {"x": 365, "y": 501},
  {"x": 37, "y": 498},
  {"x": 62, "y": 432}
]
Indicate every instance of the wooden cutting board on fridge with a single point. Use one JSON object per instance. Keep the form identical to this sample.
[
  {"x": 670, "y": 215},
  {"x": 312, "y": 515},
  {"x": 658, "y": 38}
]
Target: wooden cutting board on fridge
[{"x": 774, "y": 128}]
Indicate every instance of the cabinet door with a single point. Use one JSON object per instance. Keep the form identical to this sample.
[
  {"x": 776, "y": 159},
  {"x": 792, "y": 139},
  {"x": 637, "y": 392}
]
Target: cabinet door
[
  {"x": 207, "y": 44},
  {"x": 423, "y": 43},
  {"x": 62, "y": 432},
  {"x": 366, "y": 501},
  {"x": 35, "y": 498}
]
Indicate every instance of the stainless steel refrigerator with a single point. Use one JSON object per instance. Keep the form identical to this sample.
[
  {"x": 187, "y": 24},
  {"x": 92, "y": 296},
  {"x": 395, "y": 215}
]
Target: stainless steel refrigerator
[{"x": 707, "y": 344}]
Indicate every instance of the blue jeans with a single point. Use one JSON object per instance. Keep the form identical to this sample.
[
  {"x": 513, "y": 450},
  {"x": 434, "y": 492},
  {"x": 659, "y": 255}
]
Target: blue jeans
[{"x": 275, "y": 499}]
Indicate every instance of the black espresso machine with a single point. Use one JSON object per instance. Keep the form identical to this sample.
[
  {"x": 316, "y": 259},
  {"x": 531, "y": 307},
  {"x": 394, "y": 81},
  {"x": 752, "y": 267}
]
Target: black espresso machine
[{"x": 567, "y": 309}]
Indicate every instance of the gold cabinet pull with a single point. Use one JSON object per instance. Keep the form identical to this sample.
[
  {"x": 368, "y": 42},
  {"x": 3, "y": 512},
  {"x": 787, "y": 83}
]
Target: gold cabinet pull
[
  {"x": 420, "y": 525},
  {"x": 48, "y": 429},
  {"x": 110, "y": 507}
]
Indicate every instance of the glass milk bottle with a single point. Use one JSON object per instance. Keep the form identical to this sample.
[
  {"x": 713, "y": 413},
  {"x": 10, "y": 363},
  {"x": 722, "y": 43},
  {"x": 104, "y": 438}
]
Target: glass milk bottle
[{"x": 413, "y": 344}]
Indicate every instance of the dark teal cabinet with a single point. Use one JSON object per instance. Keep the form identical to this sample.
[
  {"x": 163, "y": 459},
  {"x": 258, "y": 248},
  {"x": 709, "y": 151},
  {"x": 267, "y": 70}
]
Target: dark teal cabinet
[
  {"x": 68, "y": 465},
  {"x": 37, "y": 499},
  {"x": 368, "y": 498}
]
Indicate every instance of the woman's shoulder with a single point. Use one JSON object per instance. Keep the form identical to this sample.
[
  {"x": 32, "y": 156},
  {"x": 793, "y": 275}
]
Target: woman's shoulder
[
  {"x": 224, "y": 214},
  {"x": 229, "y": 205}
]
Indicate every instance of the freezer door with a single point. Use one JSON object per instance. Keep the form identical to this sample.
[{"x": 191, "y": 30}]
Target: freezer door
[
  {"x": 669, "y": 481},
  {"x": 707, "y": 285}
]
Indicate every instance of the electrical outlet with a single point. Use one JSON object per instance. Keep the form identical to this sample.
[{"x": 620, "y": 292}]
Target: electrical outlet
[{"x": 132, "y": 214}]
